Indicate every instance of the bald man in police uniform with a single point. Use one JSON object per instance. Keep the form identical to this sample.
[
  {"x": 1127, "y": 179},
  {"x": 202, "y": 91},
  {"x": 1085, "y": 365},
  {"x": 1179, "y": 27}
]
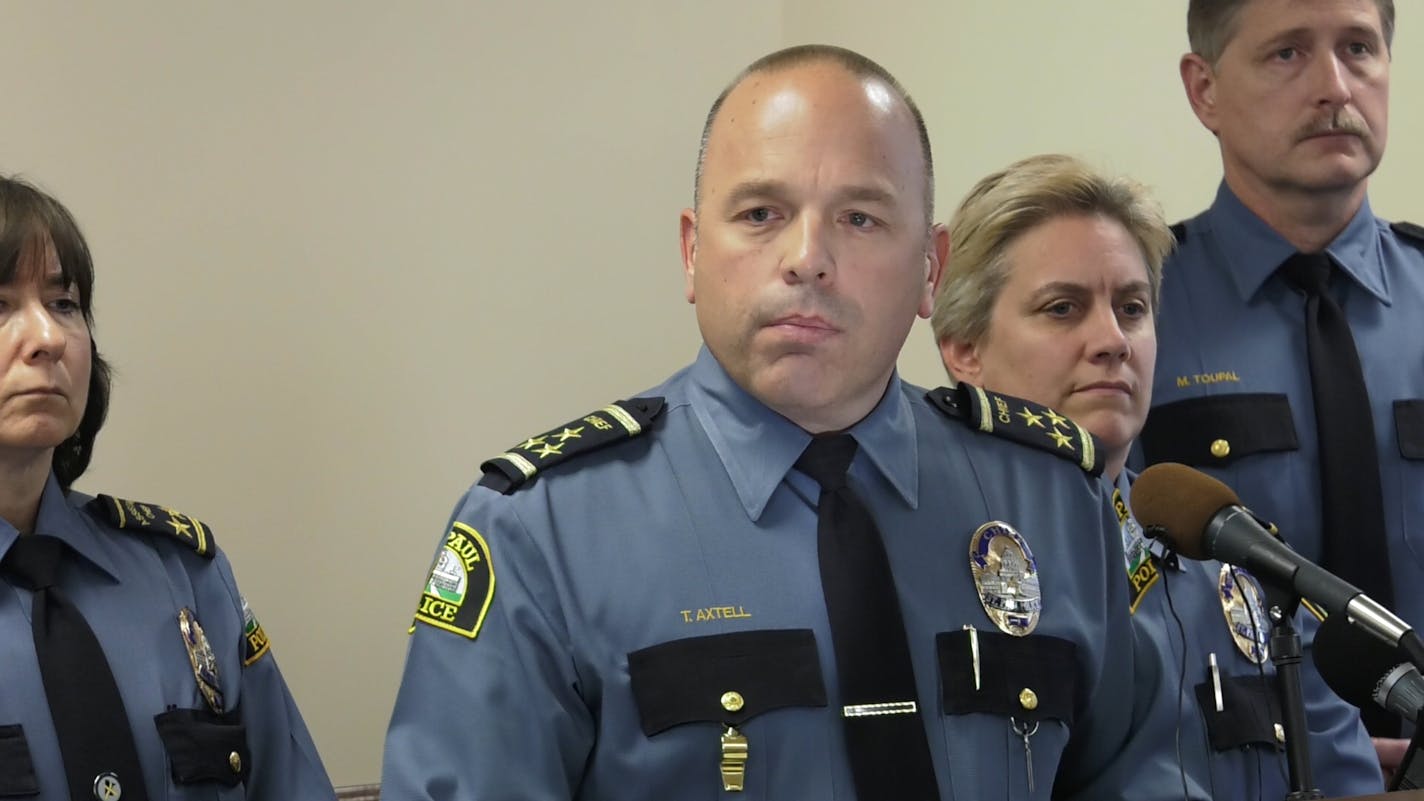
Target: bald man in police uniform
[
  {"x": 1297, "y": 96},
  {"x": 630, "y": 605}
]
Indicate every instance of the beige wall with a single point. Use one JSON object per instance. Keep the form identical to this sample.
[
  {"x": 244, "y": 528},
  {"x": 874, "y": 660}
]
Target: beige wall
[{"x": 348, "y": 249}]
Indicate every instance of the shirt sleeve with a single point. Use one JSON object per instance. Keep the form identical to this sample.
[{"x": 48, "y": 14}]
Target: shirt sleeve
[
  {"x": 285, "y": 763},
  {"x": 491, "y": 705}
]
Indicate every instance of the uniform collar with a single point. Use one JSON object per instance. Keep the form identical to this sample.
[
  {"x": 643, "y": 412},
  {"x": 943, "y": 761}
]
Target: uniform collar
[
  {"x": 58, "y": 518},
  {"x": 757, "y": 446},
  {"x": 1253, "y": 250}
]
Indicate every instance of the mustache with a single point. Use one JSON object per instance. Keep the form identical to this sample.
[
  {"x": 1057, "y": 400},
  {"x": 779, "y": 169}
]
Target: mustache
[{"x": 1340, "y": 122}]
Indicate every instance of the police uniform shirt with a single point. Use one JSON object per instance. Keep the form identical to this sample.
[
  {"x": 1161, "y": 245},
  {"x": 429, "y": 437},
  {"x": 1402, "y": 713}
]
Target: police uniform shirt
[
  {"x": 1233, "y": 366},
  {"x": 1234, "y": 753},
  {"x": 1232, "y": 354},
  {"x": 693, "y": 547},
  {"x": 130, "y": 586}
]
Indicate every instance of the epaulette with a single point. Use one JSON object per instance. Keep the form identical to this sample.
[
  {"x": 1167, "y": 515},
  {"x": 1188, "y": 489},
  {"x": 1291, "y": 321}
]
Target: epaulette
[
  {"x": 1179, "y": 232},
  {"x": 1022, "y": 421},
  {"x": 135, "y": 516},
  {"x": 625, "y": 419},
  {"x": 1409, "y": 230}
]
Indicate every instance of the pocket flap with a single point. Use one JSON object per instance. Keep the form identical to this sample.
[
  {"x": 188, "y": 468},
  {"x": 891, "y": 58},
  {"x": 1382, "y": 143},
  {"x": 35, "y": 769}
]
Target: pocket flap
[
  {"x": 1218, "y": 429},
  {"x": 17, "y": 770},
  {"x": 1409, "y": 428},
  {"x": 725, "y": 678},
  {"x": 205, "y": 747},
  {"x": 1248, "y": 716},
  {"x": 1026, "y": 678}
]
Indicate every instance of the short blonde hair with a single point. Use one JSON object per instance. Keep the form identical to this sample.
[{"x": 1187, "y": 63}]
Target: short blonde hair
[{"x": 1006, "y": 205}]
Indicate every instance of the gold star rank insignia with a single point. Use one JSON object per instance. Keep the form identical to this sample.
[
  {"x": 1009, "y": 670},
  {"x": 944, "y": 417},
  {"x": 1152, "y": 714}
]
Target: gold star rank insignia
[
  {"x": 546, "y": 450},
  {"x": 179, "y": 527},
  {"x": 153, "y": 519},
  {"x": 1030, "y": 418},
  {"x": 616, "y": 422},
  {"x": 1034, "y": 425}
]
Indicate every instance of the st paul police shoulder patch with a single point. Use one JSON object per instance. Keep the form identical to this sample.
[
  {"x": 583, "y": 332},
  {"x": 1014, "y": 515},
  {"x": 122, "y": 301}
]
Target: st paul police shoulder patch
[
  {"x": 161, "y": 520},
  {"x": 461, "y": 585},
  {"x": 255, "y": 644},
  {"x": 1022, "y": 421}
]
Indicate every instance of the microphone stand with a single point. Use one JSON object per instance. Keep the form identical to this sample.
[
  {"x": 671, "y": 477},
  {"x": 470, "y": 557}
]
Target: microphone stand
[{"x": 1286, "y": 655}]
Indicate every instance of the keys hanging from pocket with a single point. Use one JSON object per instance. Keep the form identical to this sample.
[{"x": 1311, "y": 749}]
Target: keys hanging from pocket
[{"x": 1025, "y": 731}]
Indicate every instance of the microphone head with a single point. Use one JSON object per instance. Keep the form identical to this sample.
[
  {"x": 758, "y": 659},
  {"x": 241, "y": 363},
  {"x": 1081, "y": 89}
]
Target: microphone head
[
  {"x": 1175, "y": 502},
  {"x": 1352, "y": 662}
]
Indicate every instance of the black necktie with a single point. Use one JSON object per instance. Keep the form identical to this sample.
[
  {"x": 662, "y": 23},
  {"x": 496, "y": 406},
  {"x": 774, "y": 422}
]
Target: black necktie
[
  {"x": 885, "y": 738},
  {"x": 1352, "y": 518},
  {"x": 95, "y": 741}
]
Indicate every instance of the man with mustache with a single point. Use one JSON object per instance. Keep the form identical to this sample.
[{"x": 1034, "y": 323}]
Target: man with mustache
[
  {"x": 1290, "y": 360},
  {"x": 679, "y": 596}
]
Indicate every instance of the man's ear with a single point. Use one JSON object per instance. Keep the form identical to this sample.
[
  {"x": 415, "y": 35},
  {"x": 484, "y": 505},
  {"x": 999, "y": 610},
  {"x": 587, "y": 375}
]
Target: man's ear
[
  {"x": 935, "y": 257},
  {"x": 687, "y": 234},
  {"x": 1199, "y": 82},
  {"x": 961, "y": 360}
]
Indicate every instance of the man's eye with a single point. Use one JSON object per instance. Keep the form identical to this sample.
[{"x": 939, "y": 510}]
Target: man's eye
[
  {"x": 1286, "y": 53},
  {"x": 759, "y": 215},
  {"x": 860, "y": 219}
]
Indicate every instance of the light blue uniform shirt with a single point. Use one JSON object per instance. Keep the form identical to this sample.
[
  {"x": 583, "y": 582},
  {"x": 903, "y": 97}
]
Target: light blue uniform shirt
[
  {"x": 130, "y": 586},
  {"x": 700, "y": 527},
  {"x": 1181, "y": 619}
]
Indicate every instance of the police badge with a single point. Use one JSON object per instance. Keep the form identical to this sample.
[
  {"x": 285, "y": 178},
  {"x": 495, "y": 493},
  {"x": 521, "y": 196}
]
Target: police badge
[
  {"x": 1242, "y": 604},
  {"x": 1006, "y": 576},
  {"x": 200, "y": 656}
]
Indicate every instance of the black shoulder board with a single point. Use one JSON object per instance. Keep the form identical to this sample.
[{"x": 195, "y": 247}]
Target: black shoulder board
[
  {"x": 510, "y": 470},
  {"x": 1179, "y": 232},
  {"x": 135, "y": 516},
  {"x": 1021, "y": 421},
  {"x": 1409, "y": 230}
]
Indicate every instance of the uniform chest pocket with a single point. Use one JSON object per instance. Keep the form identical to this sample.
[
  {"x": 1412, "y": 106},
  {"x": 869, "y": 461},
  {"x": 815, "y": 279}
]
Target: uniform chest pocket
[
  {"x": 1013, "y": 702},
  {"x": 205, "y": 750},
  {"x": 1217, "y": 430},
  {"x": 1249, "y": 715},
  {"x": 725, "y": 678},
  {"x": 1409, "y": 428},
  {"x": 17, "y": 770},
  {"x": 720, "y": 682}
]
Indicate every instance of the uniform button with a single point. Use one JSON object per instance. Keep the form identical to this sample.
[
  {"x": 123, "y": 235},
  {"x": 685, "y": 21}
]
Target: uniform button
[
  {"x": 1220, "y": 448},
  {"x": 1028, "y": 699},
  {"x": 234, "y": 761},
  {"x": 107, "y": 787},
  {"x": 732, "y": 701},
  {"x": 1280, "y": 733}
]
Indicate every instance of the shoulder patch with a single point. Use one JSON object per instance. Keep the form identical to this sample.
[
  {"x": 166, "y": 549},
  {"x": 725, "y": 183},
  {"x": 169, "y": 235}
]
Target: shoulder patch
[
  {"x": 161, "y": 520},
  {"x": 255, "y": 644},
  {"x": 1179, "y": 232},
  {"x": 1409, "y": 230},
  {"x": 625, "y": 419},
  {"x": 1022, "y": 421},
  {"x": 461, "y": 584}
]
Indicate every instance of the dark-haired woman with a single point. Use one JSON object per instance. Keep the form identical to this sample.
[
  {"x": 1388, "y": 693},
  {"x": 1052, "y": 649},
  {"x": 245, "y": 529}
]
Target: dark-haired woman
[{"x": 132, "y": 667}]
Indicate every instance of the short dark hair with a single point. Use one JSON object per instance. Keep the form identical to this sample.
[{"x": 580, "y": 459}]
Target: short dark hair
[
  {"x": 852, "y": 62},
  {"x": 1212, "y": 23},
  {"x": 31, "y": 221}
]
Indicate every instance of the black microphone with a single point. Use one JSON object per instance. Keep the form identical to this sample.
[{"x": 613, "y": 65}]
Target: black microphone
[
  {"x": 1361, "y": 669},
  {"x": 1201, "y": 518}
]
